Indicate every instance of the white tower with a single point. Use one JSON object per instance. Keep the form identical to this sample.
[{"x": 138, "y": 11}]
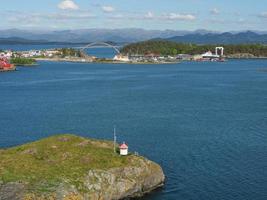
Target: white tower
[{"x": 123, "y": 149}]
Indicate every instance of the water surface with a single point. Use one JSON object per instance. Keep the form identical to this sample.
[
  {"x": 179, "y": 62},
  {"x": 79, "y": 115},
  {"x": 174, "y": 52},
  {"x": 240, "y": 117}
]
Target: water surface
[{"x": 205, "y": 123}]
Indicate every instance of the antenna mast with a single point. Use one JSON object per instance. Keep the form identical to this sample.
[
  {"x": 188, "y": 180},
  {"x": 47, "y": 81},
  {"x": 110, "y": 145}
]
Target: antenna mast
[{"x": 115, "y": 139}]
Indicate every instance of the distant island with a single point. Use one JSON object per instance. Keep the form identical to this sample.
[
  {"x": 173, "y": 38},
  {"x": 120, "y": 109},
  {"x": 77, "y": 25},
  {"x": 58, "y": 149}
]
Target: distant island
[
  {"x": 68, "y": 167},
  {"x": 168, "y": 48}
]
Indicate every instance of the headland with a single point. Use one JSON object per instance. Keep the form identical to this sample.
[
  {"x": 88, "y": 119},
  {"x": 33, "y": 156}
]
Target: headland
[{"x": 65, "y": 167}]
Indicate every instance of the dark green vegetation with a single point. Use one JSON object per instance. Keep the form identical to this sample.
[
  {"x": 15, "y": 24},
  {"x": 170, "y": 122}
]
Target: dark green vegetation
[
  {"x": 70, "y": 52},
  {"x": 173, "y": 48},
  {"x": 22, "y": 61}
]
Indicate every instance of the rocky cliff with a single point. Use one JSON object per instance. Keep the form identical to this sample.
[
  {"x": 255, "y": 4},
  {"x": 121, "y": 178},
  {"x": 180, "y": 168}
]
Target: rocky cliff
[{"x": 67, "y": 167}]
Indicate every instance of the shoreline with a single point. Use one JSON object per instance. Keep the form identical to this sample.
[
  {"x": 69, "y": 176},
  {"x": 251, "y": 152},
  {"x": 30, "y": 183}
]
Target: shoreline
[
  {"x": 75, "y": 60},
  {"x": 27, "y": 65},
  {"x": 83, "y": 60},
  {"x": 248, "y": 58},
  {"x": 8, "y": 70}
]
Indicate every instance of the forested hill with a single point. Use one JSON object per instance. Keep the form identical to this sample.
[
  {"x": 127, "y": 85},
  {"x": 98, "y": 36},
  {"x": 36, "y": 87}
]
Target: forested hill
[
  {"x": 173, "y": 48},
  {"x": 248, "y": 37}
]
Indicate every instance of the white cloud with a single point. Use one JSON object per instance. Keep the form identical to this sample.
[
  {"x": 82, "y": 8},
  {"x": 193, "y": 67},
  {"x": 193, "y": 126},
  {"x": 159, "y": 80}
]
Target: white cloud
[
  {"x": 149, "y": 15},
  {"x": 162, "y": 17},
  {"x": 108, "y": 9},
  {"x": 177, "y": 16},
  {"x": 263, "y": 15},
  {"x": 68, "y": 16},
  {"x": 68, "y": 5},
  {"x": 37, "y": 18},
  {"x": 214, "y": 11}
]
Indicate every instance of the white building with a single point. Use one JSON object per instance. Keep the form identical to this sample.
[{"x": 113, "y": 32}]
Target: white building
[
  {"x": 209, "y": 55},
  {"x": 32, "y": 53},
  {"x": 35, "y": 53},
  {"x": 123, "y": 149},
  {"x": 122, "y": 58},
  {"x": 51, "y": 53},
  {"x": 6, "y": 54}
]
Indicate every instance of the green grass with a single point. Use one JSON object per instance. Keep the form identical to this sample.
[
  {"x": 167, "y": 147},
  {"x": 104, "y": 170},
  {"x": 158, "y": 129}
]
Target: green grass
[{"x": 62, "y": 158}]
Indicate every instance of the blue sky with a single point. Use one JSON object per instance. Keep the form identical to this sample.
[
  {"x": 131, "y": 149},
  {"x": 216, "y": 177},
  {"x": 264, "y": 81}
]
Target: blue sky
[{"x": 224, "y": 15}]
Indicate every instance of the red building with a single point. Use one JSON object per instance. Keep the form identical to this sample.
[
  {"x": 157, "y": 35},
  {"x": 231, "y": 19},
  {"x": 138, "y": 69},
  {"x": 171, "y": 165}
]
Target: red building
[{"x": 5, "y": 65}]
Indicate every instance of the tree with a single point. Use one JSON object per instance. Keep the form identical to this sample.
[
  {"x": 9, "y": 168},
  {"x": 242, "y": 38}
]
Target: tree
[{"x": 174, "y": 52}]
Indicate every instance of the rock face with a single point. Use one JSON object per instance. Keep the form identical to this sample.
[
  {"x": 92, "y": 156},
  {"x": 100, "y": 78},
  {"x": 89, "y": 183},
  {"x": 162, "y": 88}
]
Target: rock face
[
  {"x": 134, "y": 176},
  {"x": 120, "y": 183}
]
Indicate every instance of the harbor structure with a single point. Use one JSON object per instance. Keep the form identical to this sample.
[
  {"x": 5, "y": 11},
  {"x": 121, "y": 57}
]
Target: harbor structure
[
  {"x": 209, "y": 56},
  {"x": 221, "y": 49}
]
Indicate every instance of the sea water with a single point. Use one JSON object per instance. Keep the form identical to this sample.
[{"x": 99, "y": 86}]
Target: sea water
[{"x": 205, "y": 123}]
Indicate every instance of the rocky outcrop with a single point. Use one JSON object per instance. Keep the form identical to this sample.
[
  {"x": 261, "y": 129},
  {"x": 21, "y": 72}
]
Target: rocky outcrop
[
  {"x": 125, "y": 182},
  {"x": 116, "y": 183},
  {"x": 136, "y": 177},
  {"x": 14, "y": 191}
]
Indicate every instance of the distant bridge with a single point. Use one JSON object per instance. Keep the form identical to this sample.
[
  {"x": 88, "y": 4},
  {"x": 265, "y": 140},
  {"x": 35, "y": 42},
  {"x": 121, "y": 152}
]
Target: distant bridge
[{"x": 100, "y": 45}]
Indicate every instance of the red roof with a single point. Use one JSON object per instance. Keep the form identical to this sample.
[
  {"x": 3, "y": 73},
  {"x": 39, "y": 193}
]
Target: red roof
[
  {"x": 123, "y": 146},
  {"x": 4, "y": 63}
]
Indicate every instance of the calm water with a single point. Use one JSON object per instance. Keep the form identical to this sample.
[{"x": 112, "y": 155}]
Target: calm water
[
  {"x": 99, "y": 52},
  {"x": 205, "y": 123}
]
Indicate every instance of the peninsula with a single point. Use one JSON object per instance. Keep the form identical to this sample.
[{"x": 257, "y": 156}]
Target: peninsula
[{"x": 65, "y": 167}]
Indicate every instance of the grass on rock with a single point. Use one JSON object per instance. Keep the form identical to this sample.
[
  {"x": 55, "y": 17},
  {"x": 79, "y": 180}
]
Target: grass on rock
[{"x": 62, "y": 158}]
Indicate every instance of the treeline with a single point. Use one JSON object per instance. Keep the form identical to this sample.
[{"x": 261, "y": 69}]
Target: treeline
[
  {"x": 173, "y": 48},
  {"x": 22, "y": 61}
]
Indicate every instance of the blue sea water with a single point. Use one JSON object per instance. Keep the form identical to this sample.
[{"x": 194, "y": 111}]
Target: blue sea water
[
  {"x": 204, "y": 123},
  {"x": 100, "y": 52}
]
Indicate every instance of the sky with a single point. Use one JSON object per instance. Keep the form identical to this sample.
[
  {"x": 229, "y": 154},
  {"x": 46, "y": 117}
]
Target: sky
[{"x": 215, "y": 15}]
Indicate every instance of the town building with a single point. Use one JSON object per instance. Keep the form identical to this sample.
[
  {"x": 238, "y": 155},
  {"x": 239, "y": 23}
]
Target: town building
[
  {"x": 209, "y": 55},
  {"x": 121, "y": 57},
  {"x": 6, "y": 54},
  {"x": 5, "y": 65}
]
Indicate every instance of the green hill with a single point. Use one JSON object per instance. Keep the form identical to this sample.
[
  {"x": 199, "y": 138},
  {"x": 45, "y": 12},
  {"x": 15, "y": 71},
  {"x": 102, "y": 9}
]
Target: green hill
[{"x": 161, "y": 47}]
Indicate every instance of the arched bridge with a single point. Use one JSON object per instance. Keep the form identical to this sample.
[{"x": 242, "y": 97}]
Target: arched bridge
[{"x": 99, "y": 45}]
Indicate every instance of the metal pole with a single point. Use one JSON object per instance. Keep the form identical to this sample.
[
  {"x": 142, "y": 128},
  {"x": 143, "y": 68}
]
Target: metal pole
[{"x": 115, "y": 139}]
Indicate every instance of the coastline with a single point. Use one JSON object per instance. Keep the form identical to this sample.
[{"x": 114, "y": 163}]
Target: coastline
[
  {"x": 8, "y": 70},
  {"x": 84, "y": 60},
  {"x": 27, "y": 65},
  {"x": 244, "y": 56},
  {"x": 92, "y": 171}
]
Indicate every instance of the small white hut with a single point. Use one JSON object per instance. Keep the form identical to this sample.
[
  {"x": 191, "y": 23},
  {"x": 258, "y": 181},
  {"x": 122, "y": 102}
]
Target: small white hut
[{"x": 123, "y": 149}]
